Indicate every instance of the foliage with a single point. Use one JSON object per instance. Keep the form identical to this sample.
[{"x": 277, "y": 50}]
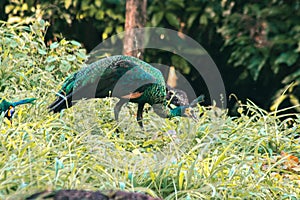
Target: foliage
[
  {"x": 261, "y": 34},
  {"x": 218, "y": 157},
  {"x": 26, "y": 62},
  {"x": 72, "y": 17},
  {"x": 263, "y": 38},
  {"x": 246, "y": 39},
  {"x": 197, "y": 19},
  {"x": 194, "y": 18}
]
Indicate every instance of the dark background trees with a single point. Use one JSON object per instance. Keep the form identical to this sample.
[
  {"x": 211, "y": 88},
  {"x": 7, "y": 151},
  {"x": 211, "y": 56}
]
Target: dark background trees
[{"x": 255, "y": 44}]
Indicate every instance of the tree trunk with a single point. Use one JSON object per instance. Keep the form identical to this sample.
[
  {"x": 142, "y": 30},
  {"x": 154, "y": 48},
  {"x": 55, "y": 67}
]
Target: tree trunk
[{"x": 135, "y": 18}]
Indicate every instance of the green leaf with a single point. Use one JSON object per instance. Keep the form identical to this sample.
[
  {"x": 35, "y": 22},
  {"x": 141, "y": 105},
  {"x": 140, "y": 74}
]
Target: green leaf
[
  {"x": 172, "y": 19},
  {"x": 64, "y": 62},
  {"x": 288, "y": 58},
  {"x": 71, "y": 57},
  {"x": 58, "y": 165},
  {"x": 42, "y": 51},
  {"x": 259, "y": 67},
  {"x": 68, "y": 3},
  {"x": 119, "y": 29},
  {"x": 196, "y": 9},
  {"x": 275, "y": 68},
  {"x": 203, "y": 20},
  {"x": 75, "y": 43},
  {"x": 85, "y": 5},
  {"x": 178, "y": 2},
  {"x": 9, "y": 8},
  {"x": 13, "y": 44},
  {"x": 54, "y": 45},
  {"x": 180, "y": 63},
  {"x": 98, "y": 3},
  {"x": 191, "y": 19},
  {"x": 110, "y": 13},
  {"x": 99, "y": 15},
  {"x": 50, "y": 59},
  {"x": 157, "y": 17},
  {"x": 108, "y": 30},
  {"x": 81, "y": 55},
  {"x": 292, "y": 77},
  {"x": 65, "y": 67},
  {"x": 49, "y": 68}
]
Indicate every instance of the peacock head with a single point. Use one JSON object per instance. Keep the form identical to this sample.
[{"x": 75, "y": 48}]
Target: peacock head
[{"x": 10, "y": 112}]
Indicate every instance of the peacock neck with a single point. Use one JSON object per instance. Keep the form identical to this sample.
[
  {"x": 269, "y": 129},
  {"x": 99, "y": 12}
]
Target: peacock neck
[
  {"x": 4, "y": 105},
  {"x": 23, "y": 101},
  {"x": 177, "y": 111},
  {"x": 165, "y": 112}
]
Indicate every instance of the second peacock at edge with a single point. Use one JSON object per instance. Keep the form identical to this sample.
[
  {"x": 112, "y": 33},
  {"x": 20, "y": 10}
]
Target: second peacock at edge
[
  {"x": 8, "y": 108},
  {"x": 127, "y": 78}
]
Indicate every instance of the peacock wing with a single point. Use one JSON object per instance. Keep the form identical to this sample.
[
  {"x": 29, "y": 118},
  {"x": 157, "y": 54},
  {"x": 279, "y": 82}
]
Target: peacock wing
[
  {"x": 89, "y": 76},
  {"x": 113, "y": 76},
  {"x": 83, "y": 83},
  {"x": 133, "y": 83}
]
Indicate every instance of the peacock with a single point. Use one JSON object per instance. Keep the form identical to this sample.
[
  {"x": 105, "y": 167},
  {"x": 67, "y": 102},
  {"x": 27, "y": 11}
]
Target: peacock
[
  {"x": 9, "y": 107},
  {"x": 128, "y": 78},
  {"x": 90, "y": 195}
]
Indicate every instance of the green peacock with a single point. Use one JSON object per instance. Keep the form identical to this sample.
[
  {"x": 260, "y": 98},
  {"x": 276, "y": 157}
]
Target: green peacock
[
  {"x": 85, "y": 194},
  {"x": 8, "y": 108},
  {"x": 128, "y": 78}
]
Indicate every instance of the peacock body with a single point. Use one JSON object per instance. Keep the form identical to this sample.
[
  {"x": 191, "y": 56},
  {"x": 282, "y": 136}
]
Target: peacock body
[
  {"x": 125, "y": 77},
  {"x": 90, "y": 195}
]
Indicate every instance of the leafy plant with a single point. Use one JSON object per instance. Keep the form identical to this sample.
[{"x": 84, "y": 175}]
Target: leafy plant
[
  {"x": 108, "y": 16},
  {"x": 26, "y": 62},
  {"x": 261, "y": 43}
]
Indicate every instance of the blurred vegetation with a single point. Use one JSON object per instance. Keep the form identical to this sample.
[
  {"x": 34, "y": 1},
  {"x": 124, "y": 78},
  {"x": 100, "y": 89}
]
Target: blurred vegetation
[
  {"x": 255, "y": 44},
  {"x": 26, "y": 62},
  {"x": 254, "y": 155}
]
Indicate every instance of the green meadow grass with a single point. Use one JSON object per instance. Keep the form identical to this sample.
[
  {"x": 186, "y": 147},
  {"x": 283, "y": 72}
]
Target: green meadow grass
[{"x": 217, "y": 157}]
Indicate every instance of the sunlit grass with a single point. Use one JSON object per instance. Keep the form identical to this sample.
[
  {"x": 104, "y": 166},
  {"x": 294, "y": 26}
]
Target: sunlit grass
[{"x": 83, "y": 147}]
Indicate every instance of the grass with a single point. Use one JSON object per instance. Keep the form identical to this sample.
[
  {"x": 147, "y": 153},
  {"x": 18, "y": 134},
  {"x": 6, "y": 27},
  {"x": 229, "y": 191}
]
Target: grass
[{"x": 218, "y": 157}]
